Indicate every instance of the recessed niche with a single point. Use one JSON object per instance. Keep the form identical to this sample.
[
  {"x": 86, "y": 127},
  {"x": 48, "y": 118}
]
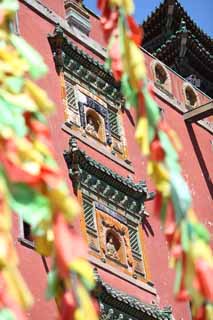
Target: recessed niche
[
  {"x": 161, "y": 76},
  {"x": 190, "y": 96}
]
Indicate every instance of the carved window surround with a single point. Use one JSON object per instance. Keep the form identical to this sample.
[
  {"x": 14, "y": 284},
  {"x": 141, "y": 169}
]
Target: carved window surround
[
  {"x": 190, "y": 96},
  {"x": 180, "y": 107},
  {"x": 106, "y": 223},
  {"x": 86, "y": 101},
  {"x": 80, "y": 102},
  {"x": 161, "y": 77},
  {"x": 112, "y": 205},
  {"x": 87, "y": 84}
]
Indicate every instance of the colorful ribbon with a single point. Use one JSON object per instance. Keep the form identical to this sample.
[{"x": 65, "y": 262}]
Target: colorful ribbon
[
  {"x": 188, "y": 240},
  {"x": 31, "y": 185}
]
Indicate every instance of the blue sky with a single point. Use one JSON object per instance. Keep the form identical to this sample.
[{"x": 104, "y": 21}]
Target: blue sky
[{"x": 200, "y": 11}]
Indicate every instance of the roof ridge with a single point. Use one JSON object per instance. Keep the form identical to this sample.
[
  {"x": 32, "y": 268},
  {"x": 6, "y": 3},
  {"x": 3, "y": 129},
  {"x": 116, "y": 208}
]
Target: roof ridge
[
  {"x": 187, "y": 17},
  {"x": 183, "y": 29},
  {"x": 193, "y": 22}
]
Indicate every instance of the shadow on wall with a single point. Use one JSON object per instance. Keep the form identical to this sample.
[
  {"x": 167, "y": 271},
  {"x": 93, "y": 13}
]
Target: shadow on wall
[
  {"x": 200, "y": 158},
  {"x": 130, "y": 117},
  {"x": 147, "y": 227}
]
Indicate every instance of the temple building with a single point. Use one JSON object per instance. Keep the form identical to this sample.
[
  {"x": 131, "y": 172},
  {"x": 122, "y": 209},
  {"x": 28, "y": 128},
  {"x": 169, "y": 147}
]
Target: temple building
[
  {"x": 175, "y": 39},
  {"x": 93, "y": 137}
]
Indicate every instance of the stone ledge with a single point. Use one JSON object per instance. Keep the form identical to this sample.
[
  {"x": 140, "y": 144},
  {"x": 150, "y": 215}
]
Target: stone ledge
[
  {"x": 142, "y": 285},
  {"x": 91, "y": 143},
  {"x": 199, "y": 113},
  {"x": 180, "y": 107}
]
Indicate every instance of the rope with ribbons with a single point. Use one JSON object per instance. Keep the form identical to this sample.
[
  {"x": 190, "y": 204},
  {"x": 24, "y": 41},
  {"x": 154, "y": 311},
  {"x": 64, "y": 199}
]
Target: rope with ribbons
[
  {"x": 188, "y": 240},
  {"x": 32, "y": 186}
]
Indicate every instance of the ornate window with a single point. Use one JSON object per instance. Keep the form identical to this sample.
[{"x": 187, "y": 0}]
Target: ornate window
[
  {"x": 94, "y": 117},
  {"x": 113, "y": 210},
  {"x": 191, "y": 100},
  {"x": 94, "y": 125},
  {"x": 92, "y": 100},
  {"x": 114, "y": 240},
  {"x": 161, "y": 76},
  {"x": 113, "y": 244}
]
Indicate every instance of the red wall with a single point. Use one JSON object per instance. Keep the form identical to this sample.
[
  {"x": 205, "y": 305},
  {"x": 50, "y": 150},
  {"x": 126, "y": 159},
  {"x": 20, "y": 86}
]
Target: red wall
[{"x": 196, "y": 143}]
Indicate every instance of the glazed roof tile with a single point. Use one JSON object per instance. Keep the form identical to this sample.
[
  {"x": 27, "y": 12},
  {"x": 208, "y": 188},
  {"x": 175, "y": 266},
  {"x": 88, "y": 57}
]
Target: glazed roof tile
[
  {"x": 126, "y": 185},
  {"x": 58, "y": 40},
  {"x": 129, "y": 304},
  {"x": 158, "y": 18},
  {"x": 169, "y": 50}
]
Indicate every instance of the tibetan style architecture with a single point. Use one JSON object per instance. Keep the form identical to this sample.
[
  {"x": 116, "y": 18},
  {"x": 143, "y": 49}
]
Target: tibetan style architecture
[
  {"x": 93, "y": 137},
  {"x": 175, "y": 39}
]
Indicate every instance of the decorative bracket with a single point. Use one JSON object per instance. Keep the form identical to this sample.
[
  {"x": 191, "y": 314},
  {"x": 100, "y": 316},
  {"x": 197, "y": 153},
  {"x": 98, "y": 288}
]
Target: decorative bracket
[{"x": 57, "y": 40}]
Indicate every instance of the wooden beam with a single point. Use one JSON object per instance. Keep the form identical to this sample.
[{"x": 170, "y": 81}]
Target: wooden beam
[{"x": 199, "y": 113}]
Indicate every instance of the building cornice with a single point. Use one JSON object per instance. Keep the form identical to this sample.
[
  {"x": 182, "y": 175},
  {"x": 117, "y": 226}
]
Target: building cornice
[
  {"x": 86, "y": 172},
  {"x": 153, "y": 24},
  {"x": 128, "y": 305},
  {"x": 68, "y": 57},
  {"x": 75, "y": 156},
  {"x": 171, "y": 50}
]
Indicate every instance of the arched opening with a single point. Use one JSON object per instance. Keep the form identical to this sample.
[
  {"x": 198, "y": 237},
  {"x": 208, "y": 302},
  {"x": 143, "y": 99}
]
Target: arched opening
[
  {"x": 113, "y": 245},
  {"x": 160, "y": 74},
  {"x": 94, "y": 125},
  {"x": 190, "y": 97}
]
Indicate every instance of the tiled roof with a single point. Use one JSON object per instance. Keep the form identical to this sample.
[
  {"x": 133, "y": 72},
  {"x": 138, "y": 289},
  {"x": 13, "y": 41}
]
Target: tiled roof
[
  {"x": 59, "y": 40},
  {"x": 157, "y": 20},
  {"x": 198, "y": 55},
  {"x": 126, "y": 185},
  {"x": 129, "y": 304}
]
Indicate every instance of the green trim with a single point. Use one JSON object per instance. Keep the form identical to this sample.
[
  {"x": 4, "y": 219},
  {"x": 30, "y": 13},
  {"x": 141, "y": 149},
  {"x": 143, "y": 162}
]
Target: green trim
[
  {"x": 116, "y": 303},
  {"x": 68, "y": 57},
  {"x": 114, "y": 124},
  {"x": 69, "y": 47},
  {"x": 191, "y": 40},
  {"x": 88, "y": 212},
  {"x": 83, "y": 166},
  {"x": 155, "y": 19}
]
